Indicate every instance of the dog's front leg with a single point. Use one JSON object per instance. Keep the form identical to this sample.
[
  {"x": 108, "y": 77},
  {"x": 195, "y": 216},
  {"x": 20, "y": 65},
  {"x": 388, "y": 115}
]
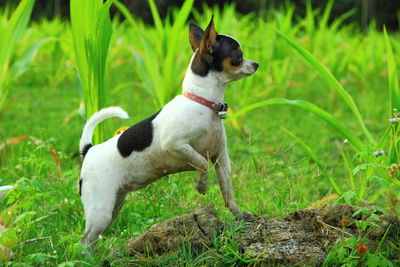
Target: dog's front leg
[
  {"x": 201, "y": 182},
  {"x": 186, "y": 152},
  {"x": 223, "y": 169}
]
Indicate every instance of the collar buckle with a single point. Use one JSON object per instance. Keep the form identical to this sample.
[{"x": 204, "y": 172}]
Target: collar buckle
[
  {"x": 221, "y": 114},
  {"x": 219, "y": 108},
  {"x": 222, "y": 110}
]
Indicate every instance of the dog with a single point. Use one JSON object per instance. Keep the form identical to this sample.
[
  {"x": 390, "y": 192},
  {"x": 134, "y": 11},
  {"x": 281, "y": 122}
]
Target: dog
[{"x": 183, "y": 136}]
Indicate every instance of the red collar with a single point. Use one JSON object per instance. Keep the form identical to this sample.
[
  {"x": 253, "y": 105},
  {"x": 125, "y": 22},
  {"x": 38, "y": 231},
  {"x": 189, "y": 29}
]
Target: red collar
[{"x": 219, "y": 108}]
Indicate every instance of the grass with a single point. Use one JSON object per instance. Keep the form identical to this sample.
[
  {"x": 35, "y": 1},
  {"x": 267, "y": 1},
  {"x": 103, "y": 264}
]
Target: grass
[
  {"x": 276, "y": 150},
  {"x": 91, "y": 32},
  {"x": 12, "y": 25}
]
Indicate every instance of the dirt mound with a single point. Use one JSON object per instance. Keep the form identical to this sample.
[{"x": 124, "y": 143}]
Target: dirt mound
[
  {"x": 196, "y": 228},
  {"x": 300, "y": 237},
  {"x": 280, "y": 241},
  {"x": 303, "y": 236}
]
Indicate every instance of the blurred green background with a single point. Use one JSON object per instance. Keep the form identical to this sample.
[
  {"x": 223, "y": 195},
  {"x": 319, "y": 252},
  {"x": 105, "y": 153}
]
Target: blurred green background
[{"x": 383, "y": 12}]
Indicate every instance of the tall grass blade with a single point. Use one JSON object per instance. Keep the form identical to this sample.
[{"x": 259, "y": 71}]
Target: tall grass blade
[
  {"x": 125, "y": 12},
  {"x": 91, "y": 32},
  {"x": 326, "y": 15},
  {"x": 394, "y": 93},
  {"x": 314, "y": 157},
  {"x": 156, "y": 16},
  {"x": 392, "y": 75},
  {"x": 158, "y": 66},
  {"x": 177, "y": 27},
  {"x": 10, "y": 31},
  {"x": 310, "y": 107},
  {"x": 348, "y": 166},
  {"x": 309, "y": 20},
  {"x": 327, "y": 76},
  {"x": 339, "y": 20},
  {"x": 307, "y": 149},
  {"x": 26, "y": 59}
]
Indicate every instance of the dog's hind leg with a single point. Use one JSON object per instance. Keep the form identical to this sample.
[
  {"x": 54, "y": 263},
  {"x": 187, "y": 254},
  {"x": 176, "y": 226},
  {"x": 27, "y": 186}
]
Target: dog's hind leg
[
  {"x": 119, "y": 202},
  {"x": 99, "y": 202}
]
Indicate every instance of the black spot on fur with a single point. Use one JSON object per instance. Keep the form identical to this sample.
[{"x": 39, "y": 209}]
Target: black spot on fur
[
  {"x": 80, "y": 187},
  {"x": 200, "y": 67},
  {"x": 137, "y": 137},
  {"x": 86, "y": 149},
  {"x": 224, "y": 47}
]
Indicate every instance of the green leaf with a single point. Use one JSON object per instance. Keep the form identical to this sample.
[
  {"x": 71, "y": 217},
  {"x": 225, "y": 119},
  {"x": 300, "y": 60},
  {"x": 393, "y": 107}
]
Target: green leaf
[
  {"x": 349, "y": 197},
  {"x": 91, "y": 31},
  {"x": 375, "y": 217},
  {"x": 392, "y": 75},
  {"x": 381, "y": 182},
  {"x": 156, "y": 16},
  {"x": 314, "y": 157},
  {"x": 8, "y": 239},
  {"x": 394, "y": 93},
  {"x": 364, "y": 166},
  {"x": 26, "y": 59},
  {"x": 156, "y": 52},
  {"x": 327, "y": 76},
  {"x": 310, "y": 107},
  {"x": 125, "y": 11},
  {"x": 348, "y": 167},
  {"x": 377, "y": 260},
  {"x": 11, "y": 30},
  {"x": 306, "y": 148}
]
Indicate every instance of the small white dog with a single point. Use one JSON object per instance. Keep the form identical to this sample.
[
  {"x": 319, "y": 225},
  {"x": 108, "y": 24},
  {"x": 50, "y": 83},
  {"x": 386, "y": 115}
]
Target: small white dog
[{"x": 183, "y": 136}]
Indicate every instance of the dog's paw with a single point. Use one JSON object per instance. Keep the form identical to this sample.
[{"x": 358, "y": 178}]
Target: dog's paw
[
  {"x": 243, "y": 215},
  {"x": 201, "y": 188},
  {"x": 246, "y": 215},
  {"x": 201, "y": 184}
]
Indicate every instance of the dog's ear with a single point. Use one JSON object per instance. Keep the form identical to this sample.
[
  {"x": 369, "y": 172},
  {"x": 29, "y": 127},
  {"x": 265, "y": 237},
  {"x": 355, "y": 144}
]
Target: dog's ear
[
  {"x": 195, "y": 35},
  {"x": 208, "y": 41}
]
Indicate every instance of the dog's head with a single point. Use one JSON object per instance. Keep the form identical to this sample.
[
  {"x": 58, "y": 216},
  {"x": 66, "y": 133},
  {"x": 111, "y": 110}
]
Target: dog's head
[{"x": 218, "y": 53}]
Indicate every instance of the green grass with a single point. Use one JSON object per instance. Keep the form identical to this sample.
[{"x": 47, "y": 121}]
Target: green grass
[
  {"x": 91, "y": 32},
  {"x": 12, "y": 25},
  {"x": 344, "y": 82}
]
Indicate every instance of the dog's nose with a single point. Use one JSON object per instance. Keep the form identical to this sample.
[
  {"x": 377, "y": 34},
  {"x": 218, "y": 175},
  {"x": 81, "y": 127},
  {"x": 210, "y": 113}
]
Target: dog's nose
[{"x": 255, "y": 65}]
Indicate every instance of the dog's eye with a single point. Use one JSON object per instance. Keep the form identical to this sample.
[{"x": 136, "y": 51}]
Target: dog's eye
[
  {"x": 236, "y": 61},
  {"x": 237, "y": 58}
]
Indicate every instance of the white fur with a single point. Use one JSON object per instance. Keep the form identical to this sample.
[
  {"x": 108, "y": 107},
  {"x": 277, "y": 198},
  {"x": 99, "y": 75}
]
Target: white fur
[
  {"x": 186, "y": 136},
  {"x": 210, "y": 87}
]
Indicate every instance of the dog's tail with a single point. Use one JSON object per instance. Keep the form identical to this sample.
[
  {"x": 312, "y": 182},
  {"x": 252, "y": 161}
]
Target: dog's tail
[{"x": 86, "y": 139}]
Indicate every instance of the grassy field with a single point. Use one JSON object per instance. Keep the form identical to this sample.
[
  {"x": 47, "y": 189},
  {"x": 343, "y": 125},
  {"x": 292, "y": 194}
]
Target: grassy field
[{"x": 284, "y": 157}]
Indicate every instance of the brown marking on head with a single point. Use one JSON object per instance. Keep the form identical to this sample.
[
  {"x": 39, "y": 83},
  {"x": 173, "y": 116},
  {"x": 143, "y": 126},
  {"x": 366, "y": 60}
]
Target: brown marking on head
[
  {"x": 233, "y": 61},
  {"x": 227, "y": 64}
]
